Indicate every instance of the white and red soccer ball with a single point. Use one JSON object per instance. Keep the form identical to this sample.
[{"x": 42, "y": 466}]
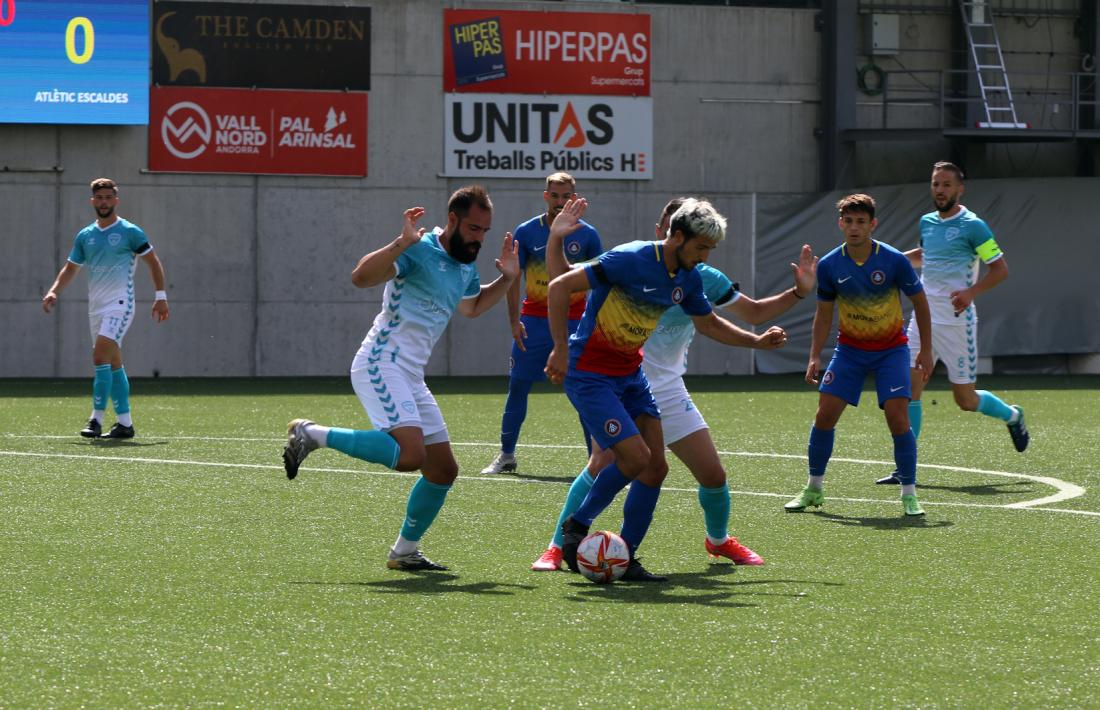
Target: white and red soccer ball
[{"x": 603, "y": 557}]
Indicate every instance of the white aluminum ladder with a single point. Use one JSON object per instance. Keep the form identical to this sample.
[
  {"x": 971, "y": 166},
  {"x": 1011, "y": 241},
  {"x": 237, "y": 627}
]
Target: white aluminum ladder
[{"x": 989, "y": 65}]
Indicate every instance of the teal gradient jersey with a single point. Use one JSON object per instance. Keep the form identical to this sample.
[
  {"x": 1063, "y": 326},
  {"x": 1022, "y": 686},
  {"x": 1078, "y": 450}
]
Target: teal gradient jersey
[
  {"x": 867, "y": 295},
  {"x": 665, "y": 353},
  {"x": 419, "y": 302},
  {"x": 110, "y": 257},
  {"x": 952, "y": 248}
]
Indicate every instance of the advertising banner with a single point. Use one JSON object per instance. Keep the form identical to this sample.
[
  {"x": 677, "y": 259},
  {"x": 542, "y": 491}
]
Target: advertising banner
[
  {"x": 261, "y": 45},
  {"x": 515, "y": 51},
  {"x": 74, "y": 62},
  {"x": 258, "y": 131},
  {"x": 519, "y": 135}
]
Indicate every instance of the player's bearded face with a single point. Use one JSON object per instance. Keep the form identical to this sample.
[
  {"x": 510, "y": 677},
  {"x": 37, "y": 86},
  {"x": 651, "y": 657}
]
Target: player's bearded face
[
  {"x": 104, "y": 203},
  {"x": 556, "y": 196},
  {"x": 946, "y": 190},
  {"x": 460, "y": 248},
  {"x": 693, "y": 252}
]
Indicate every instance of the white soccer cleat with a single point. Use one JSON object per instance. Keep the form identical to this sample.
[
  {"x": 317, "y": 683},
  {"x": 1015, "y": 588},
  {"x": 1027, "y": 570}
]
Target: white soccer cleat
[{"x": 503, "y": 463}]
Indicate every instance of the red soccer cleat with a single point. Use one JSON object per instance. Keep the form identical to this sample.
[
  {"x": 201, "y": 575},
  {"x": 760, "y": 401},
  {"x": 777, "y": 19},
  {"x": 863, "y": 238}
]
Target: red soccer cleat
[
  {"x": 549, "y": 561},
  {"x": 735, "y": 551}
]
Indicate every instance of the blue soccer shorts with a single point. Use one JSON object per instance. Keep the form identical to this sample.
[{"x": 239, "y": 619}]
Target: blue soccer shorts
[
  {"x": 850, "y": 366},
  {"x": 608, "y": 404},
  {"x": 530, "y": 364}
]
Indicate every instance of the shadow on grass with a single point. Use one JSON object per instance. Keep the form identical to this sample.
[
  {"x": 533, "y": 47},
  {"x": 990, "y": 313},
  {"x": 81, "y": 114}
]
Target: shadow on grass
[
  {"x": 115, "y": 443},
  {"x": 987, "y": 489},
  {"x": 893, "y": 522},
  {"x": 427, "y": 582},
  {"x": 717, "y": 587}
]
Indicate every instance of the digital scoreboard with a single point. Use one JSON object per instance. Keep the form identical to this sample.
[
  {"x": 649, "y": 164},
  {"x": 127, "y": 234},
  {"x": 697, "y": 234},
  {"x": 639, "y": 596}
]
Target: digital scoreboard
[{"x": 74, "y": 62}]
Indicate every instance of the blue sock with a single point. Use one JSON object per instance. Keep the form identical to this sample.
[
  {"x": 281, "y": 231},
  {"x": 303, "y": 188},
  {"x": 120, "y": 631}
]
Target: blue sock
[
  {"x": 371, "y": 446},
  {"x": 991, "y": 405},
  {"x": 641, "y": 501},
  {"x": 425, "y": 500},
  {"x": 820, "y": 449},
  {"x": 515, "y": 411},
  {"x": 120, "y": 391},
  {"x": 916, "y": 413},
  {"x": 905, "y": 457},
  {"x": 101, "y": 386},
  {"x": 577, "y": 493},
  {"x": 716, "y": 510},
  {"x": 608, "y": 484}
]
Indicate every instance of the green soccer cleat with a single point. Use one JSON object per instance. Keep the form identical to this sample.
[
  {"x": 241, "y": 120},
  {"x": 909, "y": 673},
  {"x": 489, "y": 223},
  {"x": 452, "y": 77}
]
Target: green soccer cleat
[
  {"x": 911, "y": 505},
  {"x": 808, "y": 498}
]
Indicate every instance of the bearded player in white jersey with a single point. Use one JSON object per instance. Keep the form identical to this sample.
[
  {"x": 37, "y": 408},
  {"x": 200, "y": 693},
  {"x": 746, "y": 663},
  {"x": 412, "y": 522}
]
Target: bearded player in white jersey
[{"x": 952, "y": 241}]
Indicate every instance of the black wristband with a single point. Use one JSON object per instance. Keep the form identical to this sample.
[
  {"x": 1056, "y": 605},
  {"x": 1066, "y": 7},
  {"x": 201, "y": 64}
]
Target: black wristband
[{"x": 794, "y": 290}]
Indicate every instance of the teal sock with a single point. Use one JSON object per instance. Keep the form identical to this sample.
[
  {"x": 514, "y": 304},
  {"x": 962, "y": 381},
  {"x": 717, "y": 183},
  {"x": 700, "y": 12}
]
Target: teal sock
[
  {"x": 120, "y": 391},
  {"x": 716, "y": 511},
  {"x": 991, "y": 405},
  {"x": 372, "y": 446},
  {"x": 577, "y": 493},
  {"x": 916, "y": 413},
  {"x": 101, "y": 386},
  {"x": 425, "y": 500}
]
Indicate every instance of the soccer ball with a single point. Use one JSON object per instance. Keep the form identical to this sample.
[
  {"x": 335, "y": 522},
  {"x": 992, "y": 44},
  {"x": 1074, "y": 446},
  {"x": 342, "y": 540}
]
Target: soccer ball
[{"x": 603, "y": 557}]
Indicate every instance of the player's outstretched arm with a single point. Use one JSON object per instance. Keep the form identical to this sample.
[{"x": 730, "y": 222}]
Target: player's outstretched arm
[
  {"x": 508, "y": 266},
  {"x": 756, "y": 312},
  {"x": 567, "y": 222},
  {"x": 823, "y": 322},
  {"x": 156, "y": 272},
  {"x": 379, "y": 266},
  {"x": 722, "y": 331},
  {"x": 68, "y": 271},
  {"x": 924, "y": 327}
]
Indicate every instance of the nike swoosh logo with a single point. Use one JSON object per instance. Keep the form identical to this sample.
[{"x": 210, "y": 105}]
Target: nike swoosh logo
[
  {"x": 840, "y": 281},
  {"x": 895, "y": 389},
  {"x": 538, "y": 248},
  {"x": 647, "y": 289}
]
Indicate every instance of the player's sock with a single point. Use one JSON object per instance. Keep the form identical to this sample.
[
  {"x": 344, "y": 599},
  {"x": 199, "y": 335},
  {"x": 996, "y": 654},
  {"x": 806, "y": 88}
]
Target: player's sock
[
  {"x": 515, "y": 411},
  {"x": 98, "y": 414},
  {"x": 577, "y": 493},
  {"x": 908, "y": 489},
  {"x": 372, "y": 446},
  {"x": 403, "y": 546},
  {"x": 101, "y": 389},
  {"x": 818, "y": 453},
  {"x": 425, "y": 500},
  {"x": 716, "y": 512},
  {"x": 607, "y": 486},
  {"x": 120, "y": 396},
  {"x": 991, "y": 405},
  {"x": 916, "y": 413},
  {"x": 641, "y": 501},
  {"x": 318, "y": 434},
  {"x": 905, "y": 457}
]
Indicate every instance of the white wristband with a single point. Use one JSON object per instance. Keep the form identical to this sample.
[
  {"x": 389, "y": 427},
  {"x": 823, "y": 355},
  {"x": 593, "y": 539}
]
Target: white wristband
[{"x": 161, "y": 296}]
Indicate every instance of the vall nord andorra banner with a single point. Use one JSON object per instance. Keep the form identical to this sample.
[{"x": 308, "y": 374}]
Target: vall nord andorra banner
[
  {"x": 515, "y": 51},
  {"x": 519, "y": 135},
  {"x": 258, "y": 131}
]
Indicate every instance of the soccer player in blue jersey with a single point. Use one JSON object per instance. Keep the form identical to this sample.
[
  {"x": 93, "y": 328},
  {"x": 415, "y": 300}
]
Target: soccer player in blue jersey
[
  {"x": 531, "y": 341},
  {"x": 632, "y": 286},
  {"x": 952, "y": 241},
  {"x": 685, "y": 431},
  {"x": 109, "y": 247},
  {"x": 861, "y": 279},
  {"x": 428, "y": 276}
]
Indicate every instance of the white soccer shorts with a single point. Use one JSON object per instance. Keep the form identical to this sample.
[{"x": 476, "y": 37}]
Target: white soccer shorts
[
  {"x": 394, "y": 398},
  {"x": 679, "y": 417},
  {"x": 110, "y": 324},
  {"x": 956, "y": 345}
]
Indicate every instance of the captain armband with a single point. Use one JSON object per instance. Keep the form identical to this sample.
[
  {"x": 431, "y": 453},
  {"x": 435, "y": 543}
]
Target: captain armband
[{"x": 988, "y": 250}]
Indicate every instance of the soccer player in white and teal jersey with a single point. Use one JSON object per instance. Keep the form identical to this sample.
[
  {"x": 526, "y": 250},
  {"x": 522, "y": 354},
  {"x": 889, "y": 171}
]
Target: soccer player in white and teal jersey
[
  {"x": 428, "y": 276},
  {"x": 685, "y": 431},
  {"x": 952, "y": 241},
  {"x": 109, "y": 247}
]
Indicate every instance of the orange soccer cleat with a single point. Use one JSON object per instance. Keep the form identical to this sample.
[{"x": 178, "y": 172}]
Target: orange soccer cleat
[{"x": 735, "y": 551}]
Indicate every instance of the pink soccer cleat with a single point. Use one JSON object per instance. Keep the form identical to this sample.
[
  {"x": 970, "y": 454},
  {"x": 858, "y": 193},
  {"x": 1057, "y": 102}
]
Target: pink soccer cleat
[
  {"x": 735, "y": 551},
  {"x": 549, "y": 561}
]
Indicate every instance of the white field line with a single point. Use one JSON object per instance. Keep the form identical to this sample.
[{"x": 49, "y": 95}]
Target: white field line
[{"x": 1065, "y": 490}]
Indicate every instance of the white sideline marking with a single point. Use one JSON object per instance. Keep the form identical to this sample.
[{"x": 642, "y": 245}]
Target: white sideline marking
[{"x": 1065, "y": 490}]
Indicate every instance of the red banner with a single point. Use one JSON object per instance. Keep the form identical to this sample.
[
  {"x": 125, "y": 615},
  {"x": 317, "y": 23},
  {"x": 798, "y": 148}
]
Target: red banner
[
  {"x": 519, "y": 52},
  {"x": 257, "y": 131}
]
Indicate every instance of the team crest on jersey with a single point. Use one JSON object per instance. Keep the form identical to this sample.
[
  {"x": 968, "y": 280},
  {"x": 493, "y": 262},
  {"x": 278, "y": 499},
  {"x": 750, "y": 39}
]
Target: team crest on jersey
[
  {"x": 951, "y": 233},
  {"x": 828, "y": 378},
  {"x": 114, "y": 239},
  {"x": 878, "y": 278},
  {"x": 409, "y": 406},
  {"x": 677, "y": 294},
  {"x": 573, "y": 248},
  {"x": 612, "y": 427}
]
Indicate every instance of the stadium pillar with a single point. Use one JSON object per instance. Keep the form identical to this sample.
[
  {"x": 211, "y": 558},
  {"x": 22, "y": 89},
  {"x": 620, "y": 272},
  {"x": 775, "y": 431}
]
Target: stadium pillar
[{"x": 837, "y": 23}]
